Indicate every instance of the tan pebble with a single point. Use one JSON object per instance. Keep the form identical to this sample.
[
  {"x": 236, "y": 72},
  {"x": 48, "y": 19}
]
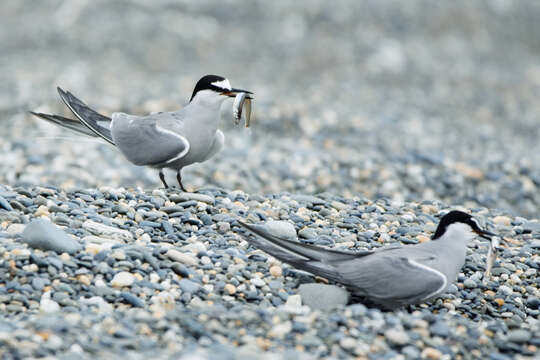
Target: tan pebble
[
  {"x": 429, "y": 209},
  {"x": 93, "y": 248},
  {"x": 431, "y": 353},
  {"x": 422, "y": 238},
  {"x": 489, "y": 294},
  {"x": 499, "y": 301},
  {"x": 468, "y": 171},
  {"x": 65, "y": 257},
  {"x": 230, "y": 288},
  {"x": 275, "y": 271},
  {"x": 42, "y": 211},
  {"x": 84, "y": 279},
  {"x": 502, "y": 220},
  {"x": 138, "y": 276}
]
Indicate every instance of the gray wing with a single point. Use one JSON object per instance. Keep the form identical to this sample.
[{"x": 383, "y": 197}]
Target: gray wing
[
  {"x": 97, "y": 123},
  {"x": 391, "y": 278},
  {"x": 314, "y": 259},
  {"x": 144, "y": 142}
]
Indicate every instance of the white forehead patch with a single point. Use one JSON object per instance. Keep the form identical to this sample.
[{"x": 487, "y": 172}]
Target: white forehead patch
[{"x": 224, "y": 84}]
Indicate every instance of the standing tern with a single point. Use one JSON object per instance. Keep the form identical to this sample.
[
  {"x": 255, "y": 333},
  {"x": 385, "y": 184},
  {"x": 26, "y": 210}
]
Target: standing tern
[
  {"x": 171, "y": 140},
  {"x": 390, "y": 277}
]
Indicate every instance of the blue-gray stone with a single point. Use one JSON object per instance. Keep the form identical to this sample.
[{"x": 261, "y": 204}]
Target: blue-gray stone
[
  {"x": 188, "y": 286},
  {"x": 5, "y": 204},
  {"x": 439, "y": 328},
  {"x": 533, "y": 302},
  {"x": 42, "y": 234},
  {"x": 206, "y": 219},
  {"x": 518, "y": 336},
  {"x": 322, "y": 296},
  {"x": 167, "y": 227},
  {"x": 132, "y": 299},
  {"x": 39, "y": 283}
]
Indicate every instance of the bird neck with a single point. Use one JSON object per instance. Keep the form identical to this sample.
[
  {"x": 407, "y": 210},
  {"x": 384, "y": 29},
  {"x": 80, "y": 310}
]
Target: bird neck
[{"x": 458, "y": 233}]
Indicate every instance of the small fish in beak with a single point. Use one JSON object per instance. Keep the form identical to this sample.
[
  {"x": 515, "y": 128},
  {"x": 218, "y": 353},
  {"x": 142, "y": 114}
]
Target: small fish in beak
[{"x": 242, "y": 99}]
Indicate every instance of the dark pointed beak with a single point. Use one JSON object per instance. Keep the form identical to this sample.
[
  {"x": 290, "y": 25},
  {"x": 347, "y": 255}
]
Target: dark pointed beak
[
  {"x": 484, "y": 234},
  {"x": 233, "y": 92}
]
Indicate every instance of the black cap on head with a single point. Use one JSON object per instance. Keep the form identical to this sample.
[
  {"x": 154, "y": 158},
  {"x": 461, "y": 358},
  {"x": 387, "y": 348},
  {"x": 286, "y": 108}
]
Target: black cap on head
[
  {"x": 456, "y": 216},
  {"x": 211, "y": 82}
]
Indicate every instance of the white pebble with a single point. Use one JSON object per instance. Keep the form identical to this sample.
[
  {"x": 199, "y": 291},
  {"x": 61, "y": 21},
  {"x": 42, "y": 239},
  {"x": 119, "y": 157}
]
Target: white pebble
[
  {"x": 122, "y": 279},
  {"x": 181, "y": 257}
]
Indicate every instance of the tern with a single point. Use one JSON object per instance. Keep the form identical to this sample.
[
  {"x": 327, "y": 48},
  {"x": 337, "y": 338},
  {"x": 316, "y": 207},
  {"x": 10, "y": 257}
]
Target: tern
[
  {"x": 171, "y": 140},
  {"x": 390, "y": 277}
]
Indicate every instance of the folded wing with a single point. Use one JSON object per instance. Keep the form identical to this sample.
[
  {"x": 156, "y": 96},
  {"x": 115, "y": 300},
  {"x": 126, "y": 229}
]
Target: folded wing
[{"x": 144, "y": 142}]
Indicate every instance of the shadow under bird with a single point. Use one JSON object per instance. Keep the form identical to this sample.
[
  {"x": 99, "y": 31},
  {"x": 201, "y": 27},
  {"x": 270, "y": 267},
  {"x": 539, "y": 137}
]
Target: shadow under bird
[
  {"x": 170, "y": 140},
  {"x": 389, "y": 277}
]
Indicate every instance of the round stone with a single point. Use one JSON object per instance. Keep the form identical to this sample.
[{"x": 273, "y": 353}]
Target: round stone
[{"x": 122, "y": 279}]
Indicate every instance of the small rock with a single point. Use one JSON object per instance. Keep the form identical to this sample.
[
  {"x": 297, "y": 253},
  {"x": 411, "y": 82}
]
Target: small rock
[
  {"x": 431, "y": 353},
  {"x": 230, "y": 289},
  {"x": 322, "y": 296},
  {"x": 519, "y": 336},
  {"x": 281, "y": 229},
  {"x": 47, "y": 305},
  {"x": 41, "y": 211},
  {"x": 469, "y": 283},
  {"x": 181, "y": 257},
  {"x": 258, "y": 282},
  {"x": 348, "y": 343},
  {"x": 188, "y": 286},
  {"x": 307, "y": 233},
  {"x": 439, "y": 328},
  {"x": 280, "y": 330},
  {"x": 182, "y": 197},
  {"x": 4, "y": 204},
  {"x": 397, "y": 336},
  {"x": 132, "y": 299},
  {"x": 506, "y": 290},
  {"x": 42, "y": 234},
  {"x": 294, "y": 301},
  {"x": 533, "y": 302},
  {"x": 122, "y": 279},
  {"x": 502, "y": 220},
  {"x": 102, "y": 229},
  {"x": 15, "y": 229},
  {"x": 276, "y": 271}
]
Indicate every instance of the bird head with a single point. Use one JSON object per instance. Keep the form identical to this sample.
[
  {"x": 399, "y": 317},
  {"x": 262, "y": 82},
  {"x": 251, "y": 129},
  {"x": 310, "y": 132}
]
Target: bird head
[
  {"x": 214, "y": 89},
  {"x": 459, "y": 221}
]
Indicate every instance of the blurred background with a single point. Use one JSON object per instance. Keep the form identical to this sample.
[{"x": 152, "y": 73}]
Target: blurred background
[{"x": 411, "y": 101}]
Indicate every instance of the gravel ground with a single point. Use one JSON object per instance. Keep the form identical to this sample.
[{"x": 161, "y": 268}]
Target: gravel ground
[{"x": 154, "y": 273}]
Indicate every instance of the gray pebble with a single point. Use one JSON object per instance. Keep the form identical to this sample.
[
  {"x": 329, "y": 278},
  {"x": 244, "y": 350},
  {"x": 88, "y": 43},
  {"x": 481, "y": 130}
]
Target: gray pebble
[
  {"x": 519, "y": 336},
  {"x": 323, "y": 297},
  {"x": 189, "y": 286},
  {"x": 42, "y": 234}
]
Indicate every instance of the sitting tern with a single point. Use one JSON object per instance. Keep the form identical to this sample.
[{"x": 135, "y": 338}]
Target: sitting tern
[
  {"x": 162, "y": 140},
  {"x": 392, "y": 276}
]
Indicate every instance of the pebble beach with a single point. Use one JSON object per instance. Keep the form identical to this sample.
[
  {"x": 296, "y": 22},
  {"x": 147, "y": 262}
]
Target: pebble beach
[{"x": 370, "y": 121}]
